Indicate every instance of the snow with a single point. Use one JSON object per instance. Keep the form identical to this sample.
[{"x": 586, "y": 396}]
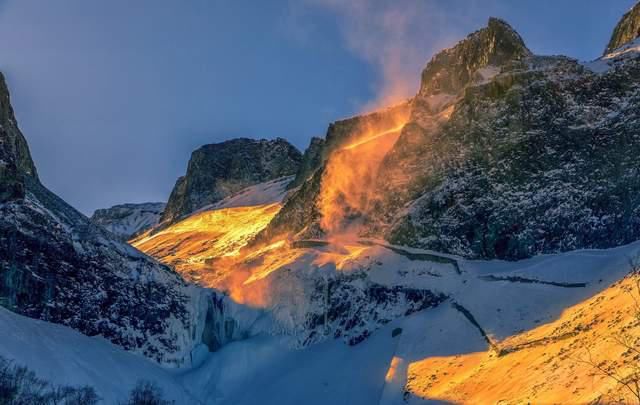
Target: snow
[
  {"x": 64, "y": 356},
  {"x": 607, "y": 62},
  {"x": 129, "y": 219},
  {"x": 260, "y": 194},
  {"x": 632, "y": 47},
  {"x": 266, "y": 368}
]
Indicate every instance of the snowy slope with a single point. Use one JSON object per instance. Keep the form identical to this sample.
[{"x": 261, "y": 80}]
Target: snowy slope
[
  {"x": 64, "y": 356},
  {"x": 269, "y": 368},
  {"x": 215, "y": 231},
  {"x": 552, "y": 363},
  {"x": 127, "y": 220},
  {"x": 264, "y": 193}
]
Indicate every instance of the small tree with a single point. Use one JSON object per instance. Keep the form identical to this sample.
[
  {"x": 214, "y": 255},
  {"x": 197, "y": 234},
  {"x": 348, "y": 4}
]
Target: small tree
[
  {"x": 21, "y": 386},
  {"x": 146, "y": 393}
]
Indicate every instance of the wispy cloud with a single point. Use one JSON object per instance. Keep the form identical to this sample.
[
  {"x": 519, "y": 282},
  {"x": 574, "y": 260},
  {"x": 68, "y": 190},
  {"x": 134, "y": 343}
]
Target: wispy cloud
[{"x": 397, "y": 37}]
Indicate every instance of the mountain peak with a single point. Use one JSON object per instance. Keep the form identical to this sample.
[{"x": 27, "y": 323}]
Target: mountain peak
[
  {"x": 218, "y": 170},
  {"x": 626, "y": 31},
  {"x": 452, "y": 69},
  {"x": 15, "y": 158}
]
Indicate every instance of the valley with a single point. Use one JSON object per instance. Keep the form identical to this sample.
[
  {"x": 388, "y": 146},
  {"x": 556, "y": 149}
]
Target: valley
[{"x": 478, "y": 242}]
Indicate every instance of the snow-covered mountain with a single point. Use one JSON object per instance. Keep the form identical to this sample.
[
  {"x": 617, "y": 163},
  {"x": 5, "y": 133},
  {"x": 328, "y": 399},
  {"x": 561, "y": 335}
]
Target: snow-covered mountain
[
  {"x": 128, "y": 220},
  {"x": 488, "y": 305},
  {"x": 505, "y": 154},
  {"x": 58, "y": 266},
  {"x": 501, "y": 153},
  {"x": 219, "y": 170},
  {"x": 357, "y": 273}
]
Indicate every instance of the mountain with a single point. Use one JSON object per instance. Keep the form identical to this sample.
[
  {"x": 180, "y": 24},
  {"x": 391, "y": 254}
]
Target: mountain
[
  {"x": 15, "y": 159},
  {"x": 56, "y": 265},
  {"x": 505, "y": 155},
  {"x": 218, "y": 170},
  {"x": 499, "y": 319},
  {"x": 536, "y": 156},
  {"x": 501, "y": 154},
  {"x": 358, "y": 272},
  {"x": 626, "y": 31},
  {"x": 301, "y": 213},
  {"x": 128, "y": 220},
  {"x": 214, "y": 231},
  {"x": 341, "y": 132}
]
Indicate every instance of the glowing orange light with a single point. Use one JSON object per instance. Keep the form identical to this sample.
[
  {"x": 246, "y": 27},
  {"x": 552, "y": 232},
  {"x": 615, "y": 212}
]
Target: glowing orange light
[{"x": 348, "y": 181}]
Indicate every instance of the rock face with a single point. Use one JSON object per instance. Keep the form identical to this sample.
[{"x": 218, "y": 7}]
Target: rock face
[
  {"x": 351, "y": 307},
  {"x": 129, "y": 220},
  {"x": 506, "y": 155},
  {"x": 218, "y": 170},
  {"x": 58, "y": 266},
  {"x": 300, "y": 213},
  {"x": 626, "y": 31},
  {"x": 340, "y": 133},
  {"x": 538, "y": 158},
  {"x": 451, "y": 70},
  {"x": 312, "y": 159},
  {"x": 15, "y": 159}
]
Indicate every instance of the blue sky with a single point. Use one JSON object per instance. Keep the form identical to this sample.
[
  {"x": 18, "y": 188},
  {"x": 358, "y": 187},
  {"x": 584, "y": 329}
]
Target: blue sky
[{"x": 113, "y": 96}]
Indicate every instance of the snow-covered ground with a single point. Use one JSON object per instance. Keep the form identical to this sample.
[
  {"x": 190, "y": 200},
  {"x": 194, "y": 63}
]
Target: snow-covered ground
[
  {"x": 64, "y": 356},
  {"x": 268, "y": 192},
  {"x": 493, "y": 299}
]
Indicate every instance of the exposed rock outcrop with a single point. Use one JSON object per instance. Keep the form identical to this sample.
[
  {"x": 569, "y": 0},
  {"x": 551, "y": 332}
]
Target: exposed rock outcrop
[
  {"x": 219, "y": 170},
  {"x": 15, "y": 158},
  {"x": 506, "y": 155},
  {"x": 300, "y": 213},
  {"x": 451, "y": 70},
  {"x": 58, "y": 266},
  {"x": 626, "y": 31}
]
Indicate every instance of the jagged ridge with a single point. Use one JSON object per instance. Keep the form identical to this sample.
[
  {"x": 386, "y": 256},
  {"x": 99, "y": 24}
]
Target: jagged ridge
[{"x": 219, "y": 170}]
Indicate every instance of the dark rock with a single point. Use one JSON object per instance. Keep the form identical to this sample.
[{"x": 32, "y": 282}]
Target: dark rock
[
  {"x": 58, "y": 266},
  {"x": 312, "y": 159},
  {"x": 15, "y": 158},
  {"x": 506, "y": 155},
  {"x": 300, "y": 214},
  {"x": 218, "y": 170},
  {"x": 541, "y": 159},
  {"x": 453, "y": 69},
  {"x": 352, "y": 307}
]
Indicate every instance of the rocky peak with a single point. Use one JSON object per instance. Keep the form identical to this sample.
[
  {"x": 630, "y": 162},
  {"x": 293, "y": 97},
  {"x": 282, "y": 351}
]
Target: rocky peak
[
  {"x": 452, "y": 69},
  {"x": 15, "y": 158},
  {"x": 311, "y": 160},
  {"x": 626, "y": 31},
  {"x": 218, "y": 170},
  {"x": 56, "y": 265}
]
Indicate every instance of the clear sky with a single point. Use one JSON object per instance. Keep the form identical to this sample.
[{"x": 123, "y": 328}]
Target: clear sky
[{"x": 114, "y": 95}]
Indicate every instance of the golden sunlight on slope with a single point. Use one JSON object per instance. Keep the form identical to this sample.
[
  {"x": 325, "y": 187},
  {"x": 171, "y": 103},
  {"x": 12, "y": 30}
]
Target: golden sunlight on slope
[
  {"x": 550, "y": 364},
  {"x": 191, "y": 244},
  {"x": 247, "y": 277}
]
